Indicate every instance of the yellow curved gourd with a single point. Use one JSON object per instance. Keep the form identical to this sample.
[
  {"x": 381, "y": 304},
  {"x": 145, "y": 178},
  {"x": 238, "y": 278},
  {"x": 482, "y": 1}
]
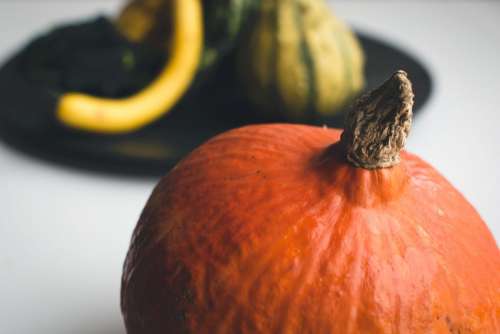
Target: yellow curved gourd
[{"x": 124, "y": 115}]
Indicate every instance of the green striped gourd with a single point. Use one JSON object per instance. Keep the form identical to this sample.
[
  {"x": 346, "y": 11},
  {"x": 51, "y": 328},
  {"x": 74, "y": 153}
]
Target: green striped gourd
[{"x": 299, "y": 60}]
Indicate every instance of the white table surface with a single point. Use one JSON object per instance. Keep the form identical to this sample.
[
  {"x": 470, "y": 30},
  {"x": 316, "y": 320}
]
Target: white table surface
[{"x": 64, "y": 232}]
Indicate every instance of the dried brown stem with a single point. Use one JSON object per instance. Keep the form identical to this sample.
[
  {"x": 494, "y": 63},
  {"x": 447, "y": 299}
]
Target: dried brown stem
[{"x": 378, "y": 124}]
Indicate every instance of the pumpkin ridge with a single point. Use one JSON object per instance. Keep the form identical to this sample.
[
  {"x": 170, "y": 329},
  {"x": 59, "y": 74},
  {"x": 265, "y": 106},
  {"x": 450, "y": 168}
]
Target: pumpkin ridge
[
  {"x": 445, "y": 276},
  {"x": 256, "y": 256},
  {"x": 310, "y": 263},
  {"x": 354, "y": 289},
  {"x": 231, "y": 307},
  {"x": 250, "y": 279},
  {"x": 393, "y": 246},
  {"x": 388, "y": 242}
]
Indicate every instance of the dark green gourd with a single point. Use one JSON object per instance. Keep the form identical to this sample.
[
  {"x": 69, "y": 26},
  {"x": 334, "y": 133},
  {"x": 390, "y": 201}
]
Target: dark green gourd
[{"x": 150, "y": 21}]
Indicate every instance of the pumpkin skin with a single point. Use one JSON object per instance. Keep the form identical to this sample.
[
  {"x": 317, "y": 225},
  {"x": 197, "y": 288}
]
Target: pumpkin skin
[
  {"x": 268, "y": 229},
  {"x": 272, "y": 229},
  {"x": 299, "y": 61}
]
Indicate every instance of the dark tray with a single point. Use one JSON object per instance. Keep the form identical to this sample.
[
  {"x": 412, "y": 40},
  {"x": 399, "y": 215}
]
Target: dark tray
[{"x": 155, "y": 149}]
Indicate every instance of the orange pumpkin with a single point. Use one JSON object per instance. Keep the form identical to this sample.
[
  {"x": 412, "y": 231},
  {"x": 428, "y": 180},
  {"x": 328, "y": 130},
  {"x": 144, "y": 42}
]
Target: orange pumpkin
[{"x": 272, "y": 229}]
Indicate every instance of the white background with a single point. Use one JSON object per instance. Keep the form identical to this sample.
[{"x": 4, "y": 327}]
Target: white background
[{"x": 64, "y": 232}]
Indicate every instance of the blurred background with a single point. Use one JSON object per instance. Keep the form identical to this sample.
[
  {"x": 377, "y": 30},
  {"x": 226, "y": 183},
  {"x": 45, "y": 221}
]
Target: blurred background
[{"x": 65, "y": 230}]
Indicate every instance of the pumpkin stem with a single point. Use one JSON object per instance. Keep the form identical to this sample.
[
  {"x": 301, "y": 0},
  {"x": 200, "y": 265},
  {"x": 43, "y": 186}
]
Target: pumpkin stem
[{"x": 378, "y": 124}]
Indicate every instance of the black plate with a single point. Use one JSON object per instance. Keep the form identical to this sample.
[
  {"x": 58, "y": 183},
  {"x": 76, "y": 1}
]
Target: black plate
[{"x": 157, "y": 148}]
